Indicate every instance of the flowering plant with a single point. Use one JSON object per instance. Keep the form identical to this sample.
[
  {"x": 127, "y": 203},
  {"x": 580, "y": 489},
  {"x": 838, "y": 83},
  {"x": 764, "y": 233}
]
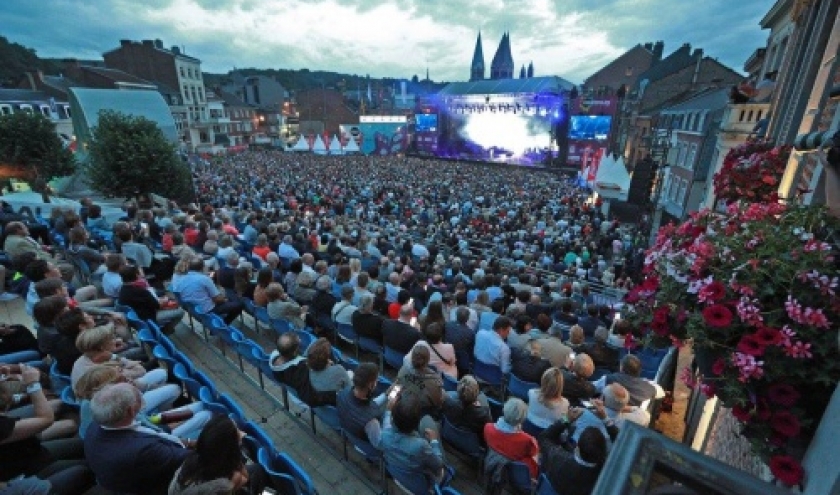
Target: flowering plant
[
  {"x": 751, "y": 172},
  {"x": 756, "y": 292}
]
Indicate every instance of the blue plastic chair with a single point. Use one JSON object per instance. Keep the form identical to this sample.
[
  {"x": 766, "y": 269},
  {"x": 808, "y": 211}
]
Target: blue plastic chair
[
  {"x": 490, "y": 374},
  {"x": 328, "y": 415},
  {"x": 365, "y": 448},
  {"x": 393, "y": 357},
  {"x": 281, "y": 326},
  {"x": 417, "y": 485},
  {"x": 306, "y": 339},
  {"x": 544, "y": 486},
  {"x": 449, "y": 384},
  {"x": 368, "y": 344},
  {"x": 59, "y": 381},
  {"x": 519, "y": 477},
  {"x": 211, "y": 402},
  {"x": 286, "y": 475},
  {"x": 255, "y": 439},
  {"x": 531, "y": 429},
  {"x": 519, "y": 388},
  {"x": 382, "y": 384},
  {"x": 261, "y": 317},
  {"x": 496, "y": 408},
  {"x": 190, "y": 384},
  {"x": 348, "y": 334},
  {"x": 162, "y": 355},
  {"x": 464, "y": 441},
  {"x": 69, "y": 398},
  {"x": 205, "y": 381},
  {"x": 232, "y": 406}
]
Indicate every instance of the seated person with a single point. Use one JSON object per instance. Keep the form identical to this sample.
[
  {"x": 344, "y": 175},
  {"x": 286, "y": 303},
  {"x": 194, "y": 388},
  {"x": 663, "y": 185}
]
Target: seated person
[
  {"x": 547, "y": 404},
  {"x": 51, "y": 466},
  {"x": 359, "y": 412},
  {"x": 576, "y": 385},
  {"x": 616, "y": 404},
  {"x": 282, "y": 307},
  {"x": 421, "y": 382},
  {"x": 527, "y": 363},
  {"x": 324, "y": 374},
  {"x": 97, "y": 346},
  {"x": 629, "y": 376},
  {"x": 577, "y": 339},
  {"x": 576, "y": 472},
  {"x": 139, "y": 296},
  {"x": 216, "y": 465},
  {"x": 404, "y": 448},
  {"x": 190, "y": 419},
  {"x": 506, "y": 437},
  {"x": 467, "y": 408},
  {"x": 124, "y": 455},
  {"x": 603, "y": 356},
  {"x": 197, "y": 288},
  {"x": 366, "y": 323},
  {"x": 442, "y": 355}
]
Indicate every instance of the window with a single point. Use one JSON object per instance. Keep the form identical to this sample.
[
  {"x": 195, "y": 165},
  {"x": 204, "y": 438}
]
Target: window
[
  {"x": 26, "y": 108},
  {"x": 682, "y": 191},
  {"x": 6, "y": 110},
  {"x": 186, "y": 93},
  {"x": 628, "y": 71},
  {"x": 182, "y": 72},
  {"x": 45, "y": 110},
  {"x": 691, "y": 156}
]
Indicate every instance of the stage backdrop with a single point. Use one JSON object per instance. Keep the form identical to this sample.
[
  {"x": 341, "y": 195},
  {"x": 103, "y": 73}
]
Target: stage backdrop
[{"x": 378, "y": 138}]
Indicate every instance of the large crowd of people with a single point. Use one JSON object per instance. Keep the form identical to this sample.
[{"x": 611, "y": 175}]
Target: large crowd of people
[{"x": 447, "y": 264}]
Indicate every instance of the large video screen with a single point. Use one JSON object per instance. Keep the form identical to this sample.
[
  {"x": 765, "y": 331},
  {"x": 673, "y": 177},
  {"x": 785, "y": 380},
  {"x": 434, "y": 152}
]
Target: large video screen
[
  {"x": 426, "y": 122},
  {"x": 521, "y": 138},
  {"x": 589, "y": 127}
]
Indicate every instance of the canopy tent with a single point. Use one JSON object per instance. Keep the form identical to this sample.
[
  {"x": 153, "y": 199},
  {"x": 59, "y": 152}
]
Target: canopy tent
[
  {"x": 301, "y": 145},
  {"x": 351, "y": 147},
  {"x": 613, "y": 180},
  {"x": 335, "y": 146},
  {"x": 319, "y": 148}
]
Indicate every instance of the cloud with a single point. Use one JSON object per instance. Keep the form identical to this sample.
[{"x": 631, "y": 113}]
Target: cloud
[{"x": 393, "y": 38}]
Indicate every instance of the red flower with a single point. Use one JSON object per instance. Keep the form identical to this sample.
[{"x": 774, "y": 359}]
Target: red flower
[
  {"x": 743, "y": 413},
  {"x": 718, "y": 366},
  {"x": 750, "y": 345},
  {"x": 785, "y": 424},
  {"x": 783, "y": 394},
  {"x": 660, "y": 328},
  {"x": 633, "y": 296},
  {"x": 661, "y": 314},
  {"x": 650, "y": 284},
  {"x": 786, "y": 469},
  {"x": 768, "y": 336},
  {"x": 715, "y": 291},
  {"x": 717, "y": 316}
]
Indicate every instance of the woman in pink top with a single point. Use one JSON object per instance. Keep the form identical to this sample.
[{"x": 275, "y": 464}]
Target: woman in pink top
[{"x": 442, "y": 356}]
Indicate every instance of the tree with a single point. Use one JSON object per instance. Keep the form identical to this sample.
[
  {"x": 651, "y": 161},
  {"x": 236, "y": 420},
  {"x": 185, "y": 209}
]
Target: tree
[
  {"x": 130, "y": 156},
  {"x": 30, "y": 150}
]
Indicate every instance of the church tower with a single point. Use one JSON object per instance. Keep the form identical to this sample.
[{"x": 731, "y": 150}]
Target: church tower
[
  {"x": 502, "y": 65},
  {"x": 477, "y": 67},
  {"x": 530, "y": 70}
]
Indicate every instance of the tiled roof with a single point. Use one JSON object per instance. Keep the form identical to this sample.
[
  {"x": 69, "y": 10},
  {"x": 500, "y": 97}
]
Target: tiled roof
[
  {"x": 117, "y": 75},
  {"x": 674, "y": 62},
  {"x": 25, "y": 95}
]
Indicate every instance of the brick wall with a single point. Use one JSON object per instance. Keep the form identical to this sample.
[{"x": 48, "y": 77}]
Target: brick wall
[{"x": 623, "y": 70}]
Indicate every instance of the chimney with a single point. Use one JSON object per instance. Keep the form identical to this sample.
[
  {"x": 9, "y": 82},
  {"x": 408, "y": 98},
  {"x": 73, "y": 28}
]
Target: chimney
[
  {"x": 698, "y": 52},
  {"x": 149, "y": 43},
  {"x": 159, "y": 44},
  {"x": 658, "y": 48},
  {"x": 125, "y": 42},
  {"x": 176, "y": 50},
  {"x": 649, "y": 47}
]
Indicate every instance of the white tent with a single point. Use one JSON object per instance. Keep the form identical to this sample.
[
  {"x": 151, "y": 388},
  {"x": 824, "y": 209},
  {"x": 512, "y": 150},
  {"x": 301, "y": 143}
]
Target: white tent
[
  {"x": 335, "y": 146},
  {"x": 351, "y": 147},
  {"x": 612, "y": 181},
  {"x": 301, "y": 145},
  {"x": 319, "y": 148}
]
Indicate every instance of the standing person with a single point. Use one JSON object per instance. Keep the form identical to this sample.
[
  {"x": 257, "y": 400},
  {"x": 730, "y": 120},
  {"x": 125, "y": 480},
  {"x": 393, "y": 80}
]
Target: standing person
[{"x": 215, "y": 466}]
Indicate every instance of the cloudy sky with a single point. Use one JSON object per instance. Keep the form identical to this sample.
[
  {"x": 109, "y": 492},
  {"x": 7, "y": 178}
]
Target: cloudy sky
[{"x": 389, "y": 38}]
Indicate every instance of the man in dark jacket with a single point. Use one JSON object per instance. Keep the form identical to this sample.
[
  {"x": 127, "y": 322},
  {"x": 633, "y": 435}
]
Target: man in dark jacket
[
  {"x": 574, "y": 472},
  {"x": 290, "y": 369},
  {"x": 462, "y": 339},
  {"x": 399, "y": 334},
  {"x": 576, "y": 384},
  {"x": 527, "y": 364}
]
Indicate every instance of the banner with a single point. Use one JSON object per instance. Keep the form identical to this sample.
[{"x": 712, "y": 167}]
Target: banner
[{"x": 378, "y": 138}]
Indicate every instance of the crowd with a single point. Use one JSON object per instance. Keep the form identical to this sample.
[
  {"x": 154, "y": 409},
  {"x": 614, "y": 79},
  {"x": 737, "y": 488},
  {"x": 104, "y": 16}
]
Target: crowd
[{"x": 447, "y": 264}]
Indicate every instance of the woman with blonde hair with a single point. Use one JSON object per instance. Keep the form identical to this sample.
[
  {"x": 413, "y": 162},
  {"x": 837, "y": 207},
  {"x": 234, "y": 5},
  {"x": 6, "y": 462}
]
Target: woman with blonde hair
[
  {"x": 355, "y": 269},
  {"x": 547, "y": 404},
  {"x": 97, "y": 346}
]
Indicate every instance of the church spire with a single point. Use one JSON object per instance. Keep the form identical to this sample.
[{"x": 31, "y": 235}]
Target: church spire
[
  {"x": 502, "y": 66},
  {"x": 522, "y": 73},
  {"x": 477, "y": 67},
  {"x": 531, "y": 70}
]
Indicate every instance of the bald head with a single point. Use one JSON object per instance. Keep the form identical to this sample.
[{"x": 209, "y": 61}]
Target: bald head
[
  {"x": 616, "y": 397},
  {"x": 583, "y": 366}
]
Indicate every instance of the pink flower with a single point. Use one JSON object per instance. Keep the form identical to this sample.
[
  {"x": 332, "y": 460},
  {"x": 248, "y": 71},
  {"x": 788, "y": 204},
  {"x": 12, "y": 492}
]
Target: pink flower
[
  {"x": 748, "y": 367},
  {"x": 798, "y": 350},
  {"x": 687, "y": 377},
  {"x": 712, "y": 292}
]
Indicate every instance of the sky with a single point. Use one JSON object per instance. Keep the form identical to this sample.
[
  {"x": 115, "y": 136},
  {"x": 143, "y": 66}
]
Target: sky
[{"x": 389, "y": 38}]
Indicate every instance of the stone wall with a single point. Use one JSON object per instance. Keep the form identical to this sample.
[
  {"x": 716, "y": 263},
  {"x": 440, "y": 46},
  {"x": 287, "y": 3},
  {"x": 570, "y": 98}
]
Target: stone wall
[{"x": 727, "y": 445}]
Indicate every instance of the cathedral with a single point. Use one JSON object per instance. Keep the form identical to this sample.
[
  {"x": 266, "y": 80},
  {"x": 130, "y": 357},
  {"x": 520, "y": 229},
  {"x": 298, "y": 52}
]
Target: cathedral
[{"x": 502, "y": 65}]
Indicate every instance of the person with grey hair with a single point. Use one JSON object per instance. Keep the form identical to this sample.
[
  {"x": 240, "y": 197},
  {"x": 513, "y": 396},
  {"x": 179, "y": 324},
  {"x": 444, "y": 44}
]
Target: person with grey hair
[
  {"x": 366, "y": 323},
  {"x": 124, "y": 455},
  {"x": 576, "y": 385},
  {"x": 286, "y": 250},
  {"x": 467, "y": 407},
  {"x": 616, "y": 405},
  {"x": 343, "y": 310},
  {"x": 506, "y": 437}
]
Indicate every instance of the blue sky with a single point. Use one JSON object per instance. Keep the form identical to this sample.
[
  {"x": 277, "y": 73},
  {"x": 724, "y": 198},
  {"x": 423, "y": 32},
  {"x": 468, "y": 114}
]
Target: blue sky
[{"x": 389, "y": 38}]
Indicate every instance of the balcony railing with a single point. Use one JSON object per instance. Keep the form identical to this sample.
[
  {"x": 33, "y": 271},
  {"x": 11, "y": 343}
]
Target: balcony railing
[{"x": 742, "y": 118}]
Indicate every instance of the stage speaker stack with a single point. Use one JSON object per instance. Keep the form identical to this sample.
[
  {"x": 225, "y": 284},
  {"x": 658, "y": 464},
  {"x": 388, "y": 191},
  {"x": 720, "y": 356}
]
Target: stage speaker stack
[{"x": 641, "y": 183}]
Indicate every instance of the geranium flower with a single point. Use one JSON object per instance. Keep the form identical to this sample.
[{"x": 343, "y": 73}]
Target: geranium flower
[
  {"x": 750, "y": 345},
  {"x": 785, "y": 423},
  {"x": 786, "y": 469},
  {"x": 768, "y": 336},
  {"x": 718, "y": 366},
  {"x": 783, "y": 394},
  {"x": 713, "y": 292},
  {"x": 743, "y": 413},
  {"x": 718, "y": 316}
]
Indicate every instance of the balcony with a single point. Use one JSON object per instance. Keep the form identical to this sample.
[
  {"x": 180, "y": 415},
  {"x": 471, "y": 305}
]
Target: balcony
[
  {"x": 741, "y": 119},
  {"x": 218, "y": 119}
]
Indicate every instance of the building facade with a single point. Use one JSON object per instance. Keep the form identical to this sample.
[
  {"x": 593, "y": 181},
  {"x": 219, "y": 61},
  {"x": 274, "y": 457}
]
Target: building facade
[{"x": 180, "y": 74}]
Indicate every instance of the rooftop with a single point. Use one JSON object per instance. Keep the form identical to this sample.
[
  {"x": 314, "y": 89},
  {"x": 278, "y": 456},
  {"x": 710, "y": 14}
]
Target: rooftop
[{"x": 533, "y": 85}]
